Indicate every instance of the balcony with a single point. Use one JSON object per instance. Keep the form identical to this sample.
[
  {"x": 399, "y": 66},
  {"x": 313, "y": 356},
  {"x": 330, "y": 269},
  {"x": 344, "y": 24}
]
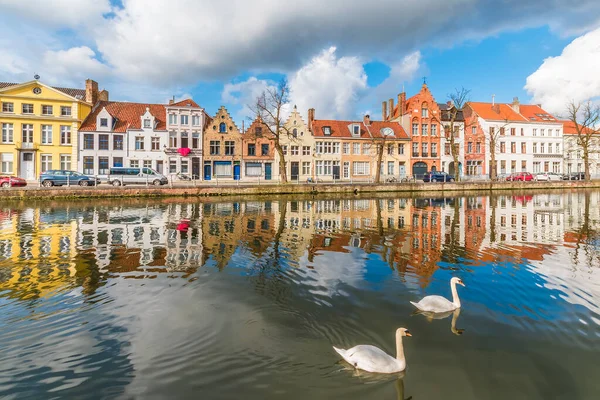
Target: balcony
[
  {"x": 27, "y": 146},
  {"x": 434, "y": 154},
  {"x": 415, "y": 154},
  {"x": 175, "y": 151},
  {"x": 425, "y": 155}
]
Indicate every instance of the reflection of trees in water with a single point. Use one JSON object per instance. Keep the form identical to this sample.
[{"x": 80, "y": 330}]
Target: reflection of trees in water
[{"x": 587, "y": 245}]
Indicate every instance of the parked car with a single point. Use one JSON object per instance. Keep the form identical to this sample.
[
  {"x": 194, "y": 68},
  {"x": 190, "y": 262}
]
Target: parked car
[
  {"x": 574, "y": 176},
  {"x": 57, "y": 177},
  {"x": 11, "y": 181},
  {"x": 437, "y": 176},
  {"x": 547, "y": 176},
  {"x": 520, "y": 176},
  {"x": 502, "y": 177},
  {"x": 119, "y": 176}
]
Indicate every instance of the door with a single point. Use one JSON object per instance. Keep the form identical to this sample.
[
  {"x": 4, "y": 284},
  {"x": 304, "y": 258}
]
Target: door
[
  {"x": 336, "y": 172},
  {"x": 419, "y": 169},
  {"x": 196, "y": 167},
  {"x": 346, "y": 169},
  {"x": 27, "y": 166},
  {"x": 236, "y": 172},
  {"x": 159, "y": 167},
  {"x": 402, "y": 170},
  {"x": 207, "y": 172},
  {"x": 295, "y": 170},
  {"x": 268, "y": 171}
]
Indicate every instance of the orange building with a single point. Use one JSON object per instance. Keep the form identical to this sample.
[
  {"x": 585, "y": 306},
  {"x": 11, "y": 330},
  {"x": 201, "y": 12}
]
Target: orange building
[{"x": 258, "y": 151}]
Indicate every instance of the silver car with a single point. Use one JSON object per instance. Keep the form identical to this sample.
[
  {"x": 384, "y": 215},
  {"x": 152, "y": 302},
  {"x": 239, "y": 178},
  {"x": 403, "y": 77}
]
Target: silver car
[
  {"x": 547, "y": 176},
  {"x": 120, "y": 176}
]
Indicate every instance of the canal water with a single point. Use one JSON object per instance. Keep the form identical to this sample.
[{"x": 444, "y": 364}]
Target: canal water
[{"x": 234, "y": 299}]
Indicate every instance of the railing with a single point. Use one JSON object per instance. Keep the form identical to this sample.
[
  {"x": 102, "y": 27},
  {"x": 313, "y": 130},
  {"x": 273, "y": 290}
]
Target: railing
[
  {"x": 175, "y": 150},
  {"x": 425, "y": 155},
  {"x": 415, "y": 154},
  {"x": 434, "y": 154}
]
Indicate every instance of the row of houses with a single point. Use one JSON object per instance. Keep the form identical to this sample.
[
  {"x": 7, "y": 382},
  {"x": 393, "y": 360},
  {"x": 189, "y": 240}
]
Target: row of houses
[{"x": 46, "y": 127}]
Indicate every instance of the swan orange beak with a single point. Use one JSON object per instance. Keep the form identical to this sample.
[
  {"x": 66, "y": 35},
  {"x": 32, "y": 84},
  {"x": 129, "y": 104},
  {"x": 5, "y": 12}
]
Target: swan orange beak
[
  {"x": 462, "y": 284},
  {"x": 407, "y": 333}
]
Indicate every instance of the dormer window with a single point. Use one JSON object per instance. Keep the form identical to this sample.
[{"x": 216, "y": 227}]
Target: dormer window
[
  {"x": 104, "y": 122},
  {"x": 222, "y": 127},
  {"x": 147, "y": 123},
  {"x": 355, "y": 129},
  {"x": 327, "y": 130}
]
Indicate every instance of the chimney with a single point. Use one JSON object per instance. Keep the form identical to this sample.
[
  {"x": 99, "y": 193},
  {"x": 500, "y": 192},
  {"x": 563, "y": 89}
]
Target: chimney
[
  {"x": 401, "y": 103},
  {"x": 515, "y": 104},
  {"x": 391, "y": 107},
  {"x": 384, "y": 110},
  {"x": 103, "y": 95},
  {"x": 91, "y": 91},
  {"x": 367, "y": 120},
  {"x": 449, "y": 103},
  {"x": 311, "y": 118},
  {"x": 172, "y": 101}
]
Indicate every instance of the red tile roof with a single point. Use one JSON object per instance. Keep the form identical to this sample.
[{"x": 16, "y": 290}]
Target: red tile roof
[
  {"x": 569, "y": 128},
  {"x": 535, "y": 113},
  {"x": 185, "y": 103},
  {"x": 497, "y": 112},
  {"x": 77, "y": 93},
  {"x": 340, "y": 129},
  {"x": 128, "y": 115}
]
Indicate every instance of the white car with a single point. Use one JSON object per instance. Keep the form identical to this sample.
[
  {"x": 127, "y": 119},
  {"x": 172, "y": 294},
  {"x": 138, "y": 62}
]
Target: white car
[{"x": 547, "y": 176}]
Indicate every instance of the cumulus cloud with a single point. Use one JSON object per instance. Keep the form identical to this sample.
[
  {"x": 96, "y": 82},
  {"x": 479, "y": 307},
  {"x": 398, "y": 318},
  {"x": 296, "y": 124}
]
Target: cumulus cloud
[
  {"x": 571, "y": 76},
  {"x": 245, "y": 94},
  {"x": 58, "y": 13},
  {"x": 74, "y": 65}
]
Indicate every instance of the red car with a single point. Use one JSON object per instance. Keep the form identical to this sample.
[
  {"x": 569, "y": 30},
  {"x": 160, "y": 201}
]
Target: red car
[
  {"x": 520, "y": 176},
  {"x": 11, "y": 181}
]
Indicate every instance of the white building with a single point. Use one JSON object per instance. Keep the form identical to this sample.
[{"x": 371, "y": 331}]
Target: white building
[
  {"x": 447, "y": 161},
  {"x": 573, "y": 152},
  {"x": 527, "y": 137}
]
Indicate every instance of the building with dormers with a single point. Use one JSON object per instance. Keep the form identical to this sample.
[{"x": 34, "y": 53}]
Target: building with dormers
[
  {"x": 39, "y": 126},
  {"x": 222, "y": 148},
  {"x": 122, "y": 134}
]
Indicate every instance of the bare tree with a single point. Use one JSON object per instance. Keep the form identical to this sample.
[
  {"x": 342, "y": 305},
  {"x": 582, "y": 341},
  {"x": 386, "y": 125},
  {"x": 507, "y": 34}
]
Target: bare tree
[
  {"x": 586, "y": 118},
  {"x": 492, "y": 137},
  {"x": 458, "y": 101},
  {"x": 380, "y": 146},
  {"x": 269, "y": 107}
]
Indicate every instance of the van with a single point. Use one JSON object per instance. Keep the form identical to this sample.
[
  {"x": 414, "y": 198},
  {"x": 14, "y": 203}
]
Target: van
[{"x": 118, "y": 176}]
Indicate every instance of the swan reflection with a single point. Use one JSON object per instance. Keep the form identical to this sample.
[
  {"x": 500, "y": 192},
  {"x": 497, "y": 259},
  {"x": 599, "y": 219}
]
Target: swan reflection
[
  {"x": 369, "y": 378},
  {"x": 431, "y": 316}
]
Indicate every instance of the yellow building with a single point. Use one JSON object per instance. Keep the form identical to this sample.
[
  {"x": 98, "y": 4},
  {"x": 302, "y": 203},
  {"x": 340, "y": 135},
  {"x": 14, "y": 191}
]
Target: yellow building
[{"x": 39, "y": 126}]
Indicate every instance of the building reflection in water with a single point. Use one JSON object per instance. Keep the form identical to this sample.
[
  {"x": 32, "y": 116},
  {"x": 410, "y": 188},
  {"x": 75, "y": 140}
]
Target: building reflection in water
[{"x": 61, "y": 245}]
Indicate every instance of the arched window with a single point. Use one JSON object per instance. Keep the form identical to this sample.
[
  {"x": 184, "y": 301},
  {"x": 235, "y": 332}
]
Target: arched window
[
  {"x": 424, "y": 110},
  {"x": 222, "y": 127},
  {"x": 295, "y": 132}
]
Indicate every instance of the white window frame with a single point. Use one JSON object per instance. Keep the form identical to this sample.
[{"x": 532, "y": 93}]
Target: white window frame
[
  {"x": 8, "y": 132},
  {"x": 65, "y": 111},
  {"x": 46, "y": 134},
  {"x": 361, "y": 168},
  {"x": 65, "y": 135}
]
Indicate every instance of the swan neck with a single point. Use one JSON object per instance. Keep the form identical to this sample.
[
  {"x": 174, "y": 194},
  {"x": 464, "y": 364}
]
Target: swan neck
[
  {"x": 399, "y": 347},
  {"x": 455, "y": 299}
]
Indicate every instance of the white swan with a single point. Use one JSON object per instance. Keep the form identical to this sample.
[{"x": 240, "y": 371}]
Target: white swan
[
  {"x": 439, "y": 304},
  {"x": 372, "y": 359}
]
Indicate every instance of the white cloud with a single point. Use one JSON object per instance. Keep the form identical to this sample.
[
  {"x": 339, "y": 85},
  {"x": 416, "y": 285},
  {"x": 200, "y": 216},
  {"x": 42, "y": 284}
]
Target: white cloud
[
  {"x": 58, "y": 13},
  {"x": 74, "y": 65},
  {"x": 330, "y": 84},
  {"x": 571, "y": 76},
  {"x": 245, "y": 94}
]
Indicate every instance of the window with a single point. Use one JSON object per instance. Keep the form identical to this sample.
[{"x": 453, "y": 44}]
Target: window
[
  {"x": 47, "y": 110},
  {"x": 46, "y": 134},
  {"x": 327, "y": 130},
  {"x": 184, "y": 139},
  {"x": 523, "y": 165},
  {"x": 434, "y": 149},
  {"x": 295, "y": 132},
  {"x": 424, "y": 129},
  {"x": 447, "y": 149},
  {"x": 8, "y": 107},
  {"x": 534, "y": 132},
  {"x": 65, "y": 134},
  {"x": 46, "y": 162},
  {"x": 355, "y": 148},
  {"x": 360, "y": 168},
  {"x": 473, "y": 130},
  {"x": 522, "y": 131},
  {"x": 215, "y": 147},
  {"x": 229, "y": 147},
  {"x": 134, "y": 163},
  {"x": 185, "y": 166},
  {"x": 401, "y": 148},
  {"x": 433, "y": 130},
  {"x": 27, "y": 133},
  {"x": 305, "y": 167},
  {"x": 502, "y": 147},
  {"x": 65, "y": 162},
  {"x": 390, "y": 168},
  {"x": 103, "y": 165},
  {"x": 542, "y": 132},
  {"x": 542, "y": 148},
  {"x": 557, "y": 148},
  {"x": 513, "y": 131},
  {"x": 118, "y": 142},
  {"x": 196, "y": 140},
  {"x": 264, "y": 149},
  {"x": 415, "y": 149},
  {"x": 27, "y": 108},
  {"x": 513, "y": 147},
  {"x": 117, "y": 161},
  {"x": 549, "y": 149},
  {"x": 139, "y": 143},
  {"x": 155, "y": 143},
  {"x": 424, "y": 150},
  {"x": 172, "y": 165},
  {"x": 104, "y": 122},
  {"x": 251, "y": 149},
  {"x": 327, "y": 148},
  {"x": 6, "y": 163},
  {"x": 366, "y": 148},
  {"x": 65, "y": 111},
  {"x": 88, "y": 165},
  {"x": 424, "y": 111},
  {"x": 346, "y": 148},
  {"x": 390, "y": 149},
  {"x": 196, "y": 120},
  {"x": 253, "y": 169},
  {"x": 172, "y": 139},
  {"x": 513, "y": 166},
  {"x": 7, "y": 132},
  {"x": 102, "y": 142},
  {"x": 556, "y": 167},
  {"x": 147, "y": 164},
  {"x": 557, "y": 132},
  {"x": 478, "y": 147},
  {"x": 415, "y": 129},
  {"x": 147, "y": 123},
  {"x": 284, "y": 150},
  {"x": 184, "y": 120},
  {"x": 306, "y": 150},
  {"x": 222, "y": 127},
  {"x": 325, "y": 167},
  {"x": 535, "y": 147},
  {"x": 492, "y": 131},
  {"x": 502, "y": 131},
  {"x": 173, "y": 119},
  {"x": 355, "y": 130},
  {"x": 295, "y": 150},
  {"x": 88, "y": 141},
  {"x": 469, "y": 147}
]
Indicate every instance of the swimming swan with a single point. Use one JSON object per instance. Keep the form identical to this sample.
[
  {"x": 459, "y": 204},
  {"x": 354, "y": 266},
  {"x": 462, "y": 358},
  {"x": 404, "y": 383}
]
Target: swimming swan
[
  {"x": 372, "y": 359},
  {"x": 439, "y": 304}
]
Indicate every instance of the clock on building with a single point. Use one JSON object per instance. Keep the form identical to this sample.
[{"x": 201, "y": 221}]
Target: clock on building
[{"x": 37, "y": 90}]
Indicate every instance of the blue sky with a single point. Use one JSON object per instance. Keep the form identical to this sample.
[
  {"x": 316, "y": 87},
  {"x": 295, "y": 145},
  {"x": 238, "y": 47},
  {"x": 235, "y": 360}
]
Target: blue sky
[{"x": 148, "y": 51}]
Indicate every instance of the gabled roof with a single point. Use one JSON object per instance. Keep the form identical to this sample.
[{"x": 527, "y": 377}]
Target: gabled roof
[
  {"x": 127, "y": 115},
  {"x": 569, "y": 127},
  {"x": 185, "y": 103},
  {"x": 535, "y": 113},
  {"x": 340, "y": 129},
  {"x": 79, "y": 94},
  {"x": 496, "y": 112},
  {"x": 444, "y": 115}
]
